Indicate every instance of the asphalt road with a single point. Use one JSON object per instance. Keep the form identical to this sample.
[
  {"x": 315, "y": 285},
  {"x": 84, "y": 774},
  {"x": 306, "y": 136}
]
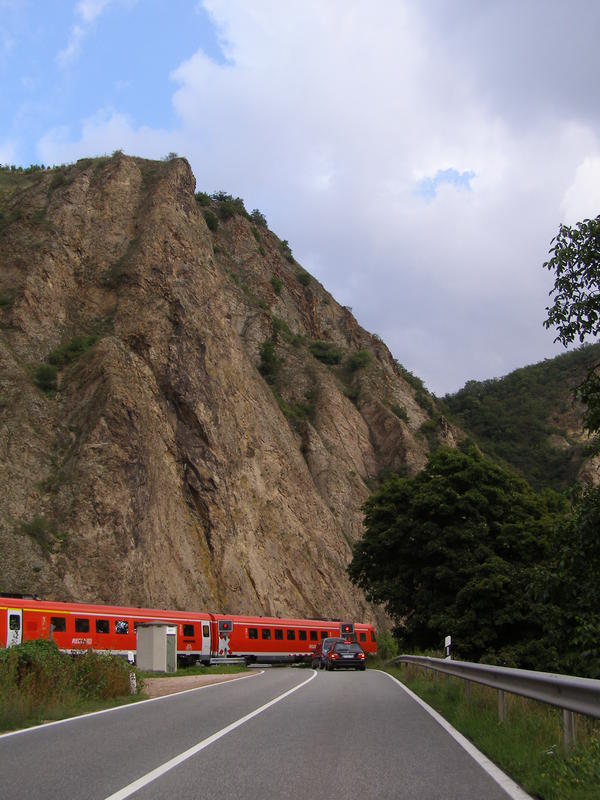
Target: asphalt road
[{"x": 286, "y": 732}]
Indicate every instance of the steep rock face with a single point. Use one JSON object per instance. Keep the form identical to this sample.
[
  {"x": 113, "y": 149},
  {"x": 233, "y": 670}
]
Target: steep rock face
[{"x": 194, "y": 453}]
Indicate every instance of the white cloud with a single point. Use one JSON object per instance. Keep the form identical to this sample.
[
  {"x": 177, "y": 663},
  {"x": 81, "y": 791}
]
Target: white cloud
[
  {"x": 88, "y": 12},
  {"x": 102, "y": 134},
  {"x": 582, "y": 198}
]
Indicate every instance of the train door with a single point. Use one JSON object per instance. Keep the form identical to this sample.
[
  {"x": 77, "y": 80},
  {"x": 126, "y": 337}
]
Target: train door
[
  {"x": 14, "y": 627},
  {"x": 206, "y": 640}
]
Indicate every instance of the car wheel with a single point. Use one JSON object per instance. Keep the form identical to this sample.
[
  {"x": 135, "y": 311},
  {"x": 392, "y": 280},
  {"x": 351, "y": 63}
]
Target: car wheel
[{"x": 363, "y": 667}]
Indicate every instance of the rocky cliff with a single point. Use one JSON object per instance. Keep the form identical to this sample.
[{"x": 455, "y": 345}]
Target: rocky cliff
[{"x": 187, "y": 418}]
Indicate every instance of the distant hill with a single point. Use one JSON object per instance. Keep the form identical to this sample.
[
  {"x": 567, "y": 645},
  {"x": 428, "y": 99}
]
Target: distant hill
[{"x": 530, "y": 420}]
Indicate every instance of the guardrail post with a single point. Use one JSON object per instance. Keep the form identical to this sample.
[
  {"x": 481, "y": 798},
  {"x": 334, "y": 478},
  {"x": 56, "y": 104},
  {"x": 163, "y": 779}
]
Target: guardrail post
[
  {"x": 501, "y": 705},
  {"x": 468, "y": 691},
  {"x": 568, "y": 729}
]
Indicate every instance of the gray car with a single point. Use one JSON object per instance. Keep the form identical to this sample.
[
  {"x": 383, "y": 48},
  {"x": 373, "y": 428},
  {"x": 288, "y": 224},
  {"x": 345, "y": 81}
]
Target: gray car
[{"x": 319, "y": 657}]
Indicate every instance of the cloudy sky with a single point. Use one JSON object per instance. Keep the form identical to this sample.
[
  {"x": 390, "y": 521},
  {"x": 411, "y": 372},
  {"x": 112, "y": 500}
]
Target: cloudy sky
[{"x": 418, "y": 155}]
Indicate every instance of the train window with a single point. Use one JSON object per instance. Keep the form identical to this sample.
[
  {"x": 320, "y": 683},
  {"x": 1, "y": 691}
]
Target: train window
[
  {"x": 373, "y": 639},
  {"x": 324, "y": 634},
  {"x": 59, "y": 624},
  {"x": 313, "y": 636},
  {"x": 291, "y": 635},
  {"x": 82, "y": 626},
  {"x": 121, "y": 626},
  {"x": 14, "y": 622},
  {"x": 188, "y": 630},
  {"x": 266, "y": 633},
  {"x": 253, "y": 633},
  {"x": 302, "y": 636},
  {"x": 102, "y": 626},
  {"x": 205, "y": 630},
  {"x": 278, "y": 633},
  {"x": 363, "y": 637}
]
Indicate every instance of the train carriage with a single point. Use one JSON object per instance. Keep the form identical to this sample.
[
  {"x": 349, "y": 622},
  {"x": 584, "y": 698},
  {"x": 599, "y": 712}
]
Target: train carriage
[{"x": 201, "y": 636}]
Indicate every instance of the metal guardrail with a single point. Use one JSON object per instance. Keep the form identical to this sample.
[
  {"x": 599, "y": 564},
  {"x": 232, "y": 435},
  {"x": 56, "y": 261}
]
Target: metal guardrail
[
  {"x": 581, "y": 695},
  {"x": 572, "y": 694}
]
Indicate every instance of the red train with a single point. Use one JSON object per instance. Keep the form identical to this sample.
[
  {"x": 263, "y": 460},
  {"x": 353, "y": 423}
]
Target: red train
[{"x": 201, "y": 636}]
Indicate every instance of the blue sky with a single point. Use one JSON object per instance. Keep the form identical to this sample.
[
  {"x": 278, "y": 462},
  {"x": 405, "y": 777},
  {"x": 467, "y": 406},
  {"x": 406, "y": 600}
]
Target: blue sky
[
  {"x": 122, "y": 60},
  {"x": 418, "y": 155}
]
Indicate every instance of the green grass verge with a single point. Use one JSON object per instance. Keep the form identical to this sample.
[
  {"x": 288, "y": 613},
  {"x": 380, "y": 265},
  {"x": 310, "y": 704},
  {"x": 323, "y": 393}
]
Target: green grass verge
[
  {"x": 68, "y": 708},
  {"x": 527, "y": 745},
  {"x": 199, "y": 669}
]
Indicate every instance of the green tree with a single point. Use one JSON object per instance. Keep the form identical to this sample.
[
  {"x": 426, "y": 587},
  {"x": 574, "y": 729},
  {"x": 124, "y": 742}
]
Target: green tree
[
  {"x": 454, "y": 551},
  {"x": 575, "y": 314},
  {"x": 572, "y": 589}
]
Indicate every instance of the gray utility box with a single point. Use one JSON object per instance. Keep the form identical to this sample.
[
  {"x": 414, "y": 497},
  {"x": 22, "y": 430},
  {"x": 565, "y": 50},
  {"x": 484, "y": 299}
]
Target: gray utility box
[{"x": 156, "y": 647}]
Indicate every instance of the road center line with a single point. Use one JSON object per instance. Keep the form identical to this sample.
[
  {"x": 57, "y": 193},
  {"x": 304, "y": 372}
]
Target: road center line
[{"x": 131, "y": 788}]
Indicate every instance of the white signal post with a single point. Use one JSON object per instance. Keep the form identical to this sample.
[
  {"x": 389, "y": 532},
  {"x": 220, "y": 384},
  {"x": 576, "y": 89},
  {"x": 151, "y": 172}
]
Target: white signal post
[{"x": 447, "y": 646}]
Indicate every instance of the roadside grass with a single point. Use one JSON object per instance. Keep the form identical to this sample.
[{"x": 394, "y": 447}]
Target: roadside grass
[
  {"x": 38, "y": 684},
  {"x": 197, "y": 669},
  {"x": 12, "y": 717},
  {"x": 527, "y": 745}
]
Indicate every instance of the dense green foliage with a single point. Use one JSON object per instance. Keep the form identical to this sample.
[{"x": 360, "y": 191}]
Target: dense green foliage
[
  {"x": 326, "y": 352},
  {"x": 513, "y": 418},
  {"x": 45, "y": 377},
  {"x": 575, "y": 261},
  {"x": 37, "y": 681},
  {"x": 358, "y": 360},
  {"x": 258, "y": 218},
  {"x": 269, "y": 361},
  {"x": 286, "y": 251},
  {"x": 570, "y": 588},
  {"x": 211, "y": 219},
  {"x": 464, "y": 548},
  {"x": 70, "y": 351}
]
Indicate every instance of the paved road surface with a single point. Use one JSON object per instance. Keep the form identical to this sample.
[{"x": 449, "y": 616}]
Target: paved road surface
[{"x": 327, "y": 735}]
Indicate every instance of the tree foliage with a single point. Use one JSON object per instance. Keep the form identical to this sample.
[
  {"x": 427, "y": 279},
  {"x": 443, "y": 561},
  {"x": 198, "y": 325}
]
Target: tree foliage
[
  {"x": 575, "y": 261},
  {"x": 519, "y": 418},
  {"x": 458, "y": 550},
  {"x": 572, "y": 589}
]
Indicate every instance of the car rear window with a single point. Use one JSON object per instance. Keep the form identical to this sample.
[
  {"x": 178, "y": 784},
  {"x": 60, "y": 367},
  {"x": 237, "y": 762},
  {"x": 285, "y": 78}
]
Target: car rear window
[{"x": 342, "y": 647}]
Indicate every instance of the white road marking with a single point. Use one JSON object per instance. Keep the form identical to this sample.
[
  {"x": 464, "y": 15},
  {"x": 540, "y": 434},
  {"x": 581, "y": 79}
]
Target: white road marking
[
  {"x": 512, "y": 789},
  {"x": 127, "y": 791},
  {"x": 34, "y": 728}
]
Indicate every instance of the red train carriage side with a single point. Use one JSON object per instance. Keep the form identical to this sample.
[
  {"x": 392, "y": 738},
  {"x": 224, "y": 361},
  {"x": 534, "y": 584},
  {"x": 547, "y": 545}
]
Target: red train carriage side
[
  {"x": 278, "y": 639},
  {"x": 76, "y": 627}
]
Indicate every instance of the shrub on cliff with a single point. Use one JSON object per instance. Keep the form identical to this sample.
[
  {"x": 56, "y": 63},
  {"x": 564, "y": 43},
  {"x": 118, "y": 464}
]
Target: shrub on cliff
[
  {"x": 358, "y": 360},
  {"x": 326, "y": 352},
  {"x": 44, "y": 377}
]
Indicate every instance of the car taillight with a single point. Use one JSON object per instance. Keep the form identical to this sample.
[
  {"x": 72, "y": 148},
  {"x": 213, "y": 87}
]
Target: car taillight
[
  {"x": 360, "y": 655},
  {"x": 333, "y": 655}
]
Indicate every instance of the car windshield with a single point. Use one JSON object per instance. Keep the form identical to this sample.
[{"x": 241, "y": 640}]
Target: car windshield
[{"x": 347, "y": 648}]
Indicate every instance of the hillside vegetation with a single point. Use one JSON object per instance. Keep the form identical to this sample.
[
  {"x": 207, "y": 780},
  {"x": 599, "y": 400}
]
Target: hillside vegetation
[{"x": 529, "y": 419}]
